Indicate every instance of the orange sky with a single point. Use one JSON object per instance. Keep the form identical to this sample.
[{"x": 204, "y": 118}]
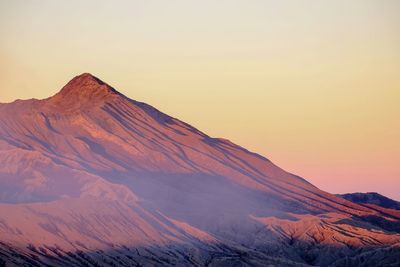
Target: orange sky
[{"x": 312, "y": 85}]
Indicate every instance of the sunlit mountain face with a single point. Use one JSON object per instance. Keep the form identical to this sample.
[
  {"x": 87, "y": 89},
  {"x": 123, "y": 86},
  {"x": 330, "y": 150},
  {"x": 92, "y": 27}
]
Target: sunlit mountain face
[{"x": 89, "y": 177}]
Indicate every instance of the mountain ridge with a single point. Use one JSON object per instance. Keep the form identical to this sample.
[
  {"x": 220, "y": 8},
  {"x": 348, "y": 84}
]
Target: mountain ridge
[
  {"x": 372, "y": 198},
  {"x": 177, "y": 187}
]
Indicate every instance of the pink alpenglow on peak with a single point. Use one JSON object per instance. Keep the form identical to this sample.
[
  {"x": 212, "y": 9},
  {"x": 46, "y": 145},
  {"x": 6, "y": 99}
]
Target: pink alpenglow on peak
[
  {"x": 83, "y": 91},
  {"x": 89, "y": 177}
]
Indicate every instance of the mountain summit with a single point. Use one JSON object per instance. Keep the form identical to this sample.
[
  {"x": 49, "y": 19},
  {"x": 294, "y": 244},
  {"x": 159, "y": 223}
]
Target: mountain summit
[
  {"x": 89, "y": 177},
  {"x": 84, "y": 89}
]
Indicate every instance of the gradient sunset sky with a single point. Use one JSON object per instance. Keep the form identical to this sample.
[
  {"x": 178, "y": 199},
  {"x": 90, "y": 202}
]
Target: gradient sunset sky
[{"x": 312, "y": 85}]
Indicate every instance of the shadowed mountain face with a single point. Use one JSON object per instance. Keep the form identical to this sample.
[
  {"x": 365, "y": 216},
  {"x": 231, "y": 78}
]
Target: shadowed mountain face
[
  {"x": 373, "y": 199},
  {"x": 89, "y": 177}
]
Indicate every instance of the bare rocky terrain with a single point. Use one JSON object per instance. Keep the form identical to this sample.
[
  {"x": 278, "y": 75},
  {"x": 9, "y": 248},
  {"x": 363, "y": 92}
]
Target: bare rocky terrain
[
  {"x": 372, "y": 198},
  {"x": 89, "y": 177}
]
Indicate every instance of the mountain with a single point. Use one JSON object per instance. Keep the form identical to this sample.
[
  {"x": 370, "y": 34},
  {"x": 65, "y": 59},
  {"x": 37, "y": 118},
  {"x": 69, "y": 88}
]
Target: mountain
[
  {"x": 89, "y": 177},
  {"x": 376, "y": 202},
  {"x": 372, "y": 198}
]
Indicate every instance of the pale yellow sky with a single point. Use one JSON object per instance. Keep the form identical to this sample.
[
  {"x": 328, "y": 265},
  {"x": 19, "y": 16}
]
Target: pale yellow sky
[{"x": 312, "y": 85}]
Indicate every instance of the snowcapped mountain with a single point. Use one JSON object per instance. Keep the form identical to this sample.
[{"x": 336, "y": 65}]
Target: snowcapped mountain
[{"x": 89, "y": 177}]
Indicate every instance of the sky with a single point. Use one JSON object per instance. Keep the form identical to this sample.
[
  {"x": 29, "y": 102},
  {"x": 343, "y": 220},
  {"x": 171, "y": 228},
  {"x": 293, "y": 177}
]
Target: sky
[{"x": 312, "y": 85}]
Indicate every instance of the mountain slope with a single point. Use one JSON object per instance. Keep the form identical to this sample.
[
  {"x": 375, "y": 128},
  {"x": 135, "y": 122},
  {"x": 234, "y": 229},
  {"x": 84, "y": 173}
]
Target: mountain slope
[
  {"x": 89, "y": 146},
  {"x": 372, "y": 198}
]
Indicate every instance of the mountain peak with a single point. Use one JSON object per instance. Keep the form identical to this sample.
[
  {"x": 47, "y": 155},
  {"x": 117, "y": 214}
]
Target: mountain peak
[
  {"x": 85, "y": 77},
  {"x": 84, "y": 89},
  {"x": 86, "y": 83}
]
